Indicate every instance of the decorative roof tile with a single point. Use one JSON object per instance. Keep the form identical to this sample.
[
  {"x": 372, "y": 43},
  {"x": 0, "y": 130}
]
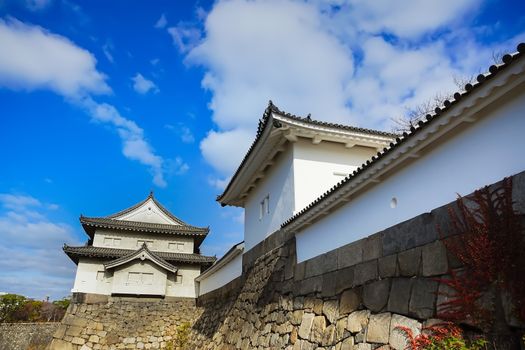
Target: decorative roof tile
[
  {"x": 112, "y": 253},
  {"x": 401, "y": 139}
]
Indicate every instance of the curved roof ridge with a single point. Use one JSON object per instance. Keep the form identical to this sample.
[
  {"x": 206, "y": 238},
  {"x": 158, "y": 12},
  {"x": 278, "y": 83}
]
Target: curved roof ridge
[
  {"x": 142, "y": 253},
  {"x": 157, "y": 203}
]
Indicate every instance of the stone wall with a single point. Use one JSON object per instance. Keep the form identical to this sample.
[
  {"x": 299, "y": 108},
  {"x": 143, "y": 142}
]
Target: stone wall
[
  {"x": 26, "y": 336},
  {"x": 354, "y": 297},
  {"x": 122, "y": 323}
]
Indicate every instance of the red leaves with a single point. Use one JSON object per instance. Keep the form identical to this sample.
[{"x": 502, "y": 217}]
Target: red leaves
[
  {"x": 430, "y": 335},
  {"x": 490, "y": 245}
]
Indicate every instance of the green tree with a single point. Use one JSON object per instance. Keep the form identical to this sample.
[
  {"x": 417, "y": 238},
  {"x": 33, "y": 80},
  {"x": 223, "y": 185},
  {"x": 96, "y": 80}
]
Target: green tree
[{"x": 10, "y": 305}]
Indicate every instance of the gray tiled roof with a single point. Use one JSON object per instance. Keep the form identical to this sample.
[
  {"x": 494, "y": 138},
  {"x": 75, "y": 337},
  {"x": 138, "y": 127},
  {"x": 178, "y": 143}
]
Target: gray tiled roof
[
  {"x": 263, "y": 123},
  {"x": 112, "y": 253},
  {"x": 144, "y": 226}
]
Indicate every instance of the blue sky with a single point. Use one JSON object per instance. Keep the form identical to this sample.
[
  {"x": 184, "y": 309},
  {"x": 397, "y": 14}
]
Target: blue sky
[{"x": 101, "y": 102}]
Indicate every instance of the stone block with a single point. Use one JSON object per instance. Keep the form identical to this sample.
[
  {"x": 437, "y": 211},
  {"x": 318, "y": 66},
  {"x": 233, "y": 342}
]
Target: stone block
[
  {"x": 387, "y": 266},
  {"x": 372, "y": 247},
  {"x": 58, "y": 344},
  {"x": 365, "y": 272},
  {"x": 86, "y": 347},
  {"x": 318, "y": 328},
  {"x": 78, "y": 341},
  {"x": 398, "y": 238},
  {"x": 74, "y": 331},
  {"x": 306, "y": 325},
  {"x": 349, "y": 301},
  {"x": 344, "y": 279},
  {"x": 379, "y": 328},
  {"x": 321, "y": 264},
  {"x": 94, "y": 339},
  {"x": 357, "y": 321},
  {"x": 375, "y": 295},
  {"x": 362, "y": 346},
  {"x": 398, "y": 338},
  {"x": 350, "y": 254},
  {"x": 434, "y": 256},
  {"x": 299, "y": 271},
  {"x": 60, "y": 332},
  {"x": 400, "y": 295},
  {"x": 348, "y": 344},
  {"x": 330, "y": 310},
  {"x": 328, "y": 336},
  {"x": 423, "y": 298},
  {"x": 309, "y": 285},
  {"x": 409, "y": 262},
  {"x": 329, "y": 284}
]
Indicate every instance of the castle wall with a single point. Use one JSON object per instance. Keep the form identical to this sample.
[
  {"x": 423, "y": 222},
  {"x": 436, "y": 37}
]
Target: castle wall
[
  {"x": 22, "y": 336},
  {"x": 483, "y": 153}
]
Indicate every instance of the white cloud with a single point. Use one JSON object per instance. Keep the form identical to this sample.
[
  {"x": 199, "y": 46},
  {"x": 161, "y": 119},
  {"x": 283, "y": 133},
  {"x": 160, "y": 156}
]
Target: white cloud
[
  {"x": 143, "y": 85},
  {"x": 184, "y": 132},
  {"x": 33, "y": 243},
  {"x": 33, "y": 58},
  {"x": 352, "y": 62},
  {"x": 134, "y": 145},
  {"x": 185, "y": 37},
  {"x": 161, "y": 22},
  {"x": 107, "y": 49},
  {"x": 406, "y": 19}
]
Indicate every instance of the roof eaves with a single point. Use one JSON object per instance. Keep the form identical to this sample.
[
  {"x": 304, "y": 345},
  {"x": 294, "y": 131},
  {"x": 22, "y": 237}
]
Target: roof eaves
[{"x": 400, "y": 139}]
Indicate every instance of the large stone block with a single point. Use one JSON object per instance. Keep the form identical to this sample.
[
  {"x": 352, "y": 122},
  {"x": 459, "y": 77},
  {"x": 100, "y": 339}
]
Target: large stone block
[
  {"x": 387, "y": 266},
  {"x": 299, "y": 272},
  {"x": 379, "y": 328},
  {"x": 400, "y": 295},
  {"x": 329, "y": 284},
  {"x": 309, "y": 285},
  {"x": 423, "y": 298},
  {"x": 372, "y": 247},
  {"x": 318, "y": 328},
  {"x": 58, "y": 344},
  {"x": 375, "y": 295},
  {"x": 350, "y": 254},
  {"x": 409, "y": 262},
  {"x": 306, "y": 325},
  {"x": 349, "y": 301},
  {"x": 331, "y": 310},
  {"x": 365, "y": 272},
  {"x": 435, "y": 260},
  {"x": 398, "y": 337},
  {"x": 344, "y": 279},
  {"x": 321, "y": 264},
  {"x": 357, "y": 321}
]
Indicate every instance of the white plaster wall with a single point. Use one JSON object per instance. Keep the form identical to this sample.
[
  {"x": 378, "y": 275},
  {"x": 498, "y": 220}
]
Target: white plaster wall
[
  {"x": 486, "y": 152},
  {"x": 187, "y": 287},
  {"x": 129, "y": 241},
  {"x": 86, "y": 278},
  {"x": 315, "y": 165},
  {"x": 148, "y": 212},
  {"x": 121, "y": 284},
  {"x": 278, "y": 184},
  {"x": 219, "y": 278}
]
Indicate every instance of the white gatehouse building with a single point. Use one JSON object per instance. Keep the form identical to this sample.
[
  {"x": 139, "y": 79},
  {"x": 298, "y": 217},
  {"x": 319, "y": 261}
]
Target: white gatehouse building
[{"x": 141, "y": 251}]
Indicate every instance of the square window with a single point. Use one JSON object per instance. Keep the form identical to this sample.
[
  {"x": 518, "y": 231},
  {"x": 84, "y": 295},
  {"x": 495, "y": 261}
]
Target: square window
[
  {"x": 147, "y": 279},
  {"x": 133, "y": 277},
  {"x": 100, "y": 275},
  {"x": 116, "y": 242},
  {"x": 178, "y": 279}
]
